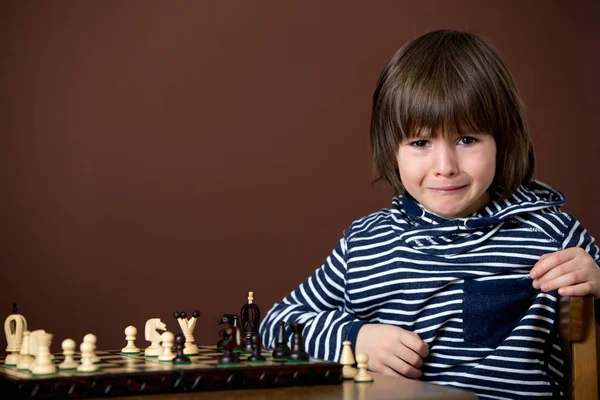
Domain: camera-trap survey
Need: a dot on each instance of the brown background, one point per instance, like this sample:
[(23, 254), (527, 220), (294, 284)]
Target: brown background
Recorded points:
[(159, 156)]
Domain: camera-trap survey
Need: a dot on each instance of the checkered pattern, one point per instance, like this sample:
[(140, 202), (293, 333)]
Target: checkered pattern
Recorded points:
[(113, 362)]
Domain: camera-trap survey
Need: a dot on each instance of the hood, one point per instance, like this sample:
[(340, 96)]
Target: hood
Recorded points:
[(426, 231)]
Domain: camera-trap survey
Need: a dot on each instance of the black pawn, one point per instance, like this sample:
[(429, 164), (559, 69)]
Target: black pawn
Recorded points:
[(281, 350), (256, 349), (247, 342), (298, 353), (180, 358), (229, 356)]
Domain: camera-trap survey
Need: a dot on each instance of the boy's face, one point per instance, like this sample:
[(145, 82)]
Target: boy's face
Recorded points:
[(449, 174)]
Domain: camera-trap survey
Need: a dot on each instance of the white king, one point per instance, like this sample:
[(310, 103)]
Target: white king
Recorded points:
[(14, 326)]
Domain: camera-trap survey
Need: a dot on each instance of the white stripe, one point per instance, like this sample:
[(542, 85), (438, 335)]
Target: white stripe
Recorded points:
[(490, 378), (454, 383), (417, 301), (401, 281), (570, 235), (510, 370)]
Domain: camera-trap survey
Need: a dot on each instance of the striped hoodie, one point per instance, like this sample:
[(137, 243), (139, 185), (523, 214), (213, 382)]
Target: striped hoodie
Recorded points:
[(461, 284)]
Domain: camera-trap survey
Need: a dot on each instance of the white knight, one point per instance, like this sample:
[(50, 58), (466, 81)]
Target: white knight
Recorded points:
[(151, 334)]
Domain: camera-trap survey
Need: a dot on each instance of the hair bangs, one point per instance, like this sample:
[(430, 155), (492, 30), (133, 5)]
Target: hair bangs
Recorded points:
[(443, 102)]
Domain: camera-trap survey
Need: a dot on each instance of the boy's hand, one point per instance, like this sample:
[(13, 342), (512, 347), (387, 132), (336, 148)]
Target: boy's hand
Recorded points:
[(572, 271), (392, 350)]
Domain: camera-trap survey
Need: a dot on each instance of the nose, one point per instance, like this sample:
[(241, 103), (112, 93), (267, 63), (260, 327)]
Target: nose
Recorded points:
[(446, 162)]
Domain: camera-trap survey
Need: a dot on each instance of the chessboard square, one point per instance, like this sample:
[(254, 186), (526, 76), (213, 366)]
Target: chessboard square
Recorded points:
[(201, 358), (129, 362), (152, 361), (211, 353), (209, 362)]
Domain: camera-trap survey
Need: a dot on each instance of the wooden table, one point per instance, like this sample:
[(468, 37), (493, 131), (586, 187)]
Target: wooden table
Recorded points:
[(384, 387)]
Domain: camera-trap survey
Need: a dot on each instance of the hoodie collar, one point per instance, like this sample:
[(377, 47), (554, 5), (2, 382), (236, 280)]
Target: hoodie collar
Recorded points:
[(536, 197)]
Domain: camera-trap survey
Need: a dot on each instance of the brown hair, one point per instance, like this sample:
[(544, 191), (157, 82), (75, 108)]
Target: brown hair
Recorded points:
[(449, 81)]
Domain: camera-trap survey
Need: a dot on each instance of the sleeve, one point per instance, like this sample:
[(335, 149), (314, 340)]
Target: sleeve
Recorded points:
[(319, 303), (578, 236)]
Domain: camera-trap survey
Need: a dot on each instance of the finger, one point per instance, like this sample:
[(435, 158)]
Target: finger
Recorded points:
[(550, 260), (554, 273), (568, 279), (414, 343), (385, 370), (559, 270), (403, 368), (580, 289), (408, 356)]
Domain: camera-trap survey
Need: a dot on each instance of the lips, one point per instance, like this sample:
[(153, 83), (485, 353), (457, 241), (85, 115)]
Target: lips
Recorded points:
[(449, 189)]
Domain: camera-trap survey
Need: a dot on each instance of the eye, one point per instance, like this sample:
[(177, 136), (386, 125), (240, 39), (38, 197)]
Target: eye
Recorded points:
[(467, 140), (419, 143)]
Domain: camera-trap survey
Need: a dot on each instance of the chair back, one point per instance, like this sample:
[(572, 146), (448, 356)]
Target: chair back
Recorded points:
[(578, 331)]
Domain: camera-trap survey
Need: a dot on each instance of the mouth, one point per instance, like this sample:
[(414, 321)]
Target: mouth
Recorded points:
[(449, 189)]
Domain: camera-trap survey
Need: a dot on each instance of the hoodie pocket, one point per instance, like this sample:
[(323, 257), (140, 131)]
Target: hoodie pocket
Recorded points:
[(492, 309)]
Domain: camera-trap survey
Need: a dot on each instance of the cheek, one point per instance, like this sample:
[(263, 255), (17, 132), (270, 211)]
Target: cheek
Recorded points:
[(411, 170), (484, 166)]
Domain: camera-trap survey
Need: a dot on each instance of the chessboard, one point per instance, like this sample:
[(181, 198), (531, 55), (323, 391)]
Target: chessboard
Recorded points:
[(121, 375)]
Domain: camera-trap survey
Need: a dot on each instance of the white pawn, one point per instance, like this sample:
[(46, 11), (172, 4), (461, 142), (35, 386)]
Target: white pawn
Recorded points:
[(86, 362), (25, 360), (91, 339), (68, 347), (167, 342), (43, 362), (130, 333), (347, 360), (361, 362)]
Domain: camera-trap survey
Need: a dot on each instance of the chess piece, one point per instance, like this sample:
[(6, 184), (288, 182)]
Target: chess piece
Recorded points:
[(68, 347), (246, 346), (43, 362), (250, 320), (130, 333), (180, 357), (362, 360), (25, 359), (167, 343), (187, 328), (238, 337), (87, 351), (281, 350), (91, 339), (229, 356), (298, 353), (151, 334), (256, 350), (14, 326), (226, 318), (347, 360)]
